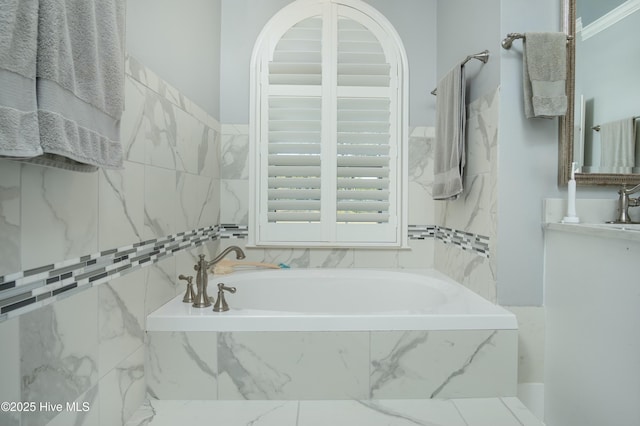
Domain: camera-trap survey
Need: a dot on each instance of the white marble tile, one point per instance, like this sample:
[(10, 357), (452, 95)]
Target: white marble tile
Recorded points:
[(421, 203), (158, 131), (121, 206), (131, 133), (59, 215), (182, 365), (331, 258), (234, 156), (84, 411), (524, 416), (379, 413), (468, 268), (59, 352), (482, 134), (10, 217), (160, 202), (190, 204), (377, 258), (123, 390), (209, 191), (121, 319), (228, 413), (531, 333), (195, 143), (486, 412), (443, 364), (161, 282), (419, 255), (9, 373), (290, 365), (235, 201)]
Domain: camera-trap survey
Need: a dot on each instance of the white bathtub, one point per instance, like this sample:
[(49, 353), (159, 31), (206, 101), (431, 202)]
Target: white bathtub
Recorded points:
[(337, 300)]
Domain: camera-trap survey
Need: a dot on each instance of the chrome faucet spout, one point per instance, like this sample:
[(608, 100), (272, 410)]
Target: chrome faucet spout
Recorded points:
[(202, 277), (624, 202)]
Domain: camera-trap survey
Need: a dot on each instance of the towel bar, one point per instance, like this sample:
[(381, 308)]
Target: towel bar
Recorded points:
[(482, 56), (597, 127), (508, 40)]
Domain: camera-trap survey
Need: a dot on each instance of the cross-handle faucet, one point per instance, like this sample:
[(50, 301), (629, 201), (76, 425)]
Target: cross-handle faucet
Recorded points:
[(624, 202), (202, 278)]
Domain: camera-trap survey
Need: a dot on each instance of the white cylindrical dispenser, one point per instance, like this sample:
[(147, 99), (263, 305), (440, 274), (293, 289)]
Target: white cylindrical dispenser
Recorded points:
[(571, 216)]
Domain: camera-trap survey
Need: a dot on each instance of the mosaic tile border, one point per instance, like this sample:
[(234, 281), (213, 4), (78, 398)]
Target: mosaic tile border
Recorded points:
[(28, 290), (464, 240), (25, 291)]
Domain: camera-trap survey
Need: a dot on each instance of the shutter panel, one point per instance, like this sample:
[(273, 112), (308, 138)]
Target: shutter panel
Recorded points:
[(328, 161), (294, 124)]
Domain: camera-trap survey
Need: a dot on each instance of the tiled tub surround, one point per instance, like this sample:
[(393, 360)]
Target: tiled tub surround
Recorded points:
[(467, 347), (88, 346), (331, 365)]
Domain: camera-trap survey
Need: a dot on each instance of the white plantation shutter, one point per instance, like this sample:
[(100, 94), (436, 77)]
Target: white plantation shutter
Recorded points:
[(328, 133)]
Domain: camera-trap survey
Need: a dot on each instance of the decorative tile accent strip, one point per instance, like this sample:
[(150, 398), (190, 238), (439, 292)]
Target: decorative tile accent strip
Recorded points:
[(233, 231), (464, 240), (26, 291), (421, 232)]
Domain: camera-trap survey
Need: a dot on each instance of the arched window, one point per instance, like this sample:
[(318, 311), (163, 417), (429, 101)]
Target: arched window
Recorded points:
[(328, 128)]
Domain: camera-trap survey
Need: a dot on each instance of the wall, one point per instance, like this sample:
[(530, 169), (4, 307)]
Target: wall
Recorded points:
[(182, 44), (244, 19), (90, 347), (527, 167)]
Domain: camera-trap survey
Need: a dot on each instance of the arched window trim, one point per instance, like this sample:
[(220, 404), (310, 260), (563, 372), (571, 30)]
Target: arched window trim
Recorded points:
[(392, 45)]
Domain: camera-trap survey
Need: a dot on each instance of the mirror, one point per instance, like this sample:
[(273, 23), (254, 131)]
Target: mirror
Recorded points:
[(602, 88)]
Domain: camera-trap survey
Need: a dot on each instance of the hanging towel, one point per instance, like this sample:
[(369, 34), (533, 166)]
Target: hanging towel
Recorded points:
[(19, 134), (450, 135), (617, 146), (79, 83), (544, 74)]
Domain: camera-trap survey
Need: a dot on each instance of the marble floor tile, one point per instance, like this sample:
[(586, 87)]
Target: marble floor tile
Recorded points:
[(228, 413), (379, 413), (486, 412)]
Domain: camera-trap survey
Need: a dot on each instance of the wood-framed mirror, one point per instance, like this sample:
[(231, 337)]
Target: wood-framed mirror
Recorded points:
[(600, 56)]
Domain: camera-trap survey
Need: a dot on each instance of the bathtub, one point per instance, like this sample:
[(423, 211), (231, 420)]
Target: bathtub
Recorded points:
[(334, 334), (336, 300)]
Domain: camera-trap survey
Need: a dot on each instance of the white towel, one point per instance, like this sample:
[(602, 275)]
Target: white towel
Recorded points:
[(617, 146), (544, 74), (79, 82), (450, 135), (19, 134)]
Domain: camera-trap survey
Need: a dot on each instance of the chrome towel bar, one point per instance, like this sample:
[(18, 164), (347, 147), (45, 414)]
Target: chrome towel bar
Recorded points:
[(508, 40), (482, 56)]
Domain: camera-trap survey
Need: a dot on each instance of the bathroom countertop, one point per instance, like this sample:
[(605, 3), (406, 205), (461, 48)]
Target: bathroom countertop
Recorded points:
[(598, 230)]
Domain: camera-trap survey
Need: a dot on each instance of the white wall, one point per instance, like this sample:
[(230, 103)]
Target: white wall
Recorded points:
[(468, 27), (180, 41), (244, 19)]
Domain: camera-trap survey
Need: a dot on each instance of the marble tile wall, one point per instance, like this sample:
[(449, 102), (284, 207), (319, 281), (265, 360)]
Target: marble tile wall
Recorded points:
[(332, 365), (475, 211), (86, 344)]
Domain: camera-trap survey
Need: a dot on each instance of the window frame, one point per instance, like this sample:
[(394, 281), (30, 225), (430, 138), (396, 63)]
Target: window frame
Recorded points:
[(393, 48)]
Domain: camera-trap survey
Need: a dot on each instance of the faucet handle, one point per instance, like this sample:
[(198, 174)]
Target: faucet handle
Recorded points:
[(189, 295), (221, 304)]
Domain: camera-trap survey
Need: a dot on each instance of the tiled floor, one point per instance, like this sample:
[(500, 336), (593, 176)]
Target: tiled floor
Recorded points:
[(431, 412)]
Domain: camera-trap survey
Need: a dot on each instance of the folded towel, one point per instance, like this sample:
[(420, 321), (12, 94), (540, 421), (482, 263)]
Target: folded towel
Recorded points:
[(544, 74), (19, 134), (78, 83), (450, 134), (617, 146)]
